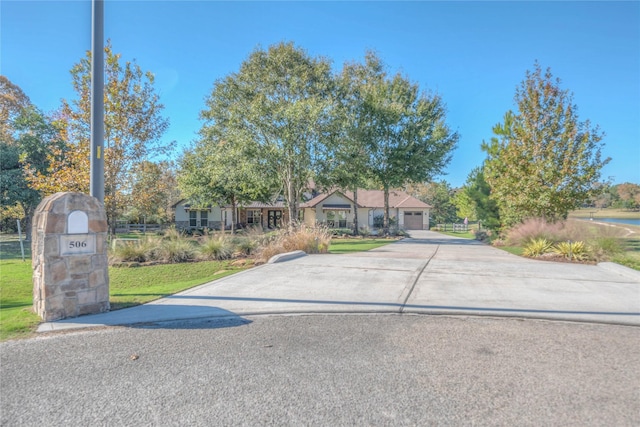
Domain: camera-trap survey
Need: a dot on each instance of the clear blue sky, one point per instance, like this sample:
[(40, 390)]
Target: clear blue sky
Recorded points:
[(473, 54)]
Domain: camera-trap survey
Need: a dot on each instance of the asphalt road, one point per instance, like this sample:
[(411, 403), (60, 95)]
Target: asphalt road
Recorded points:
[(383, 369)]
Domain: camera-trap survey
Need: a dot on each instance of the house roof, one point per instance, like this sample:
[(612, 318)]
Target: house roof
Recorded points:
[(372, 199), (322, 197)]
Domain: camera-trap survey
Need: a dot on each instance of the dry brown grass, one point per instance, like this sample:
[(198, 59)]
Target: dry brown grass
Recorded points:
[(602, 242), (560, 231), (312, 240)]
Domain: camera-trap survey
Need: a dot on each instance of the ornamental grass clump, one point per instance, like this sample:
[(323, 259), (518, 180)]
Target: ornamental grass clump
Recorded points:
[(215, 248), (571, 250), (311, 240), (244, 245), (140, 250), (537, 247), (533, 229), (176, 250)]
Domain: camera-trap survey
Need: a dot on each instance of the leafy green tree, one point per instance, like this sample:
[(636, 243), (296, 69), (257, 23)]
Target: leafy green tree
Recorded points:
[(281, 100), (478, 193), (404, 130), (440, 196), (346, 160), (629, 195), (465, 205), (542, 161), (13, 102), (133, 130), (26, 136), (224, 173), (153, 191)]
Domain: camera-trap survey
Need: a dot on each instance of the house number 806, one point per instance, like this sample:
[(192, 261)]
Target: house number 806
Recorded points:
[(77, 244)]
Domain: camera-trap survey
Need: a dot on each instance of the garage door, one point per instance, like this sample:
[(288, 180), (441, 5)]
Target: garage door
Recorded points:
[(413, 220)]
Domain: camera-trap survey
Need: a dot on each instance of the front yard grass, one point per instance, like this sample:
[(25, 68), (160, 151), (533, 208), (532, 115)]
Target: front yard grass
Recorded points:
[(127, 286), (344, 246), (463, 234)]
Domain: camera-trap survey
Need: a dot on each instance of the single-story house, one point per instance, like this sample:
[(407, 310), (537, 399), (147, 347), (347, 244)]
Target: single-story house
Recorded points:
[(334, 208), (266, 215)]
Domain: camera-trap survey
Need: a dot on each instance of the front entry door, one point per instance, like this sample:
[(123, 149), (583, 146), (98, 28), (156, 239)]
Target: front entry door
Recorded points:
[(274, 219)]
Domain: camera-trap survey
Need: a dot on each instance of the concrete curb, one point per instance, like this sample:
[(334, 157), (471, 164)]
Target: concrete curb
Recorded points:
[(286, 257), (621, 269)]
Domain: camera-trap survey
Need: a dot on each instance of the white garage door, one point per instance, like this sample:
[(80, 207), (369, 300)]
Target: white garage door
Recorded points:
[(413, 220)]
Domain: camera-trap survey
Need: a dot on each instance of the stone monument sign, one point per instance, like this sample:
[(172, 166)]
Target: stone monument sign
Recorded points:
[(69, 250)]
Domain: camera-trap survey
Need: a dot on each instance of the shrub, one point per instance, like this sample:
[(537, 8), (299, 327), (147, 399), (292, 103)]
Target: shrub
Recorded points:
[(364, 231), (537, 247), (178, 250), (215, 248), (172, 233), (140, 250), (244, 245), (482, 235), (341, 231), (604, 248), (571, 250)]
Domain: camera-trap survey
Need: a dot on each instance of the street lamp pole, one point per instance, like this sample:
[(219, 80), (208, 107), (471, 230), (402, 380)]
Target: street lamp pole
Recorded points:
[(97, 100)]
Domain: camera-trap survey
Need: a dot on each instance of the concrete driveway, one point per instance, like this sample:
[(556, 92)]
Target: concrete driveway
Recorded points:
[(429, 273)]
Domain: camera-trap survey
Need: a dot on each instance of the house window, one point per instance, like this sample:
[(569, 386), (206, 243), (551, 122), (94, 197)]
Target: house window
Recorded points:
[(337, 219), (253, 217), (204, 219), (193, 218)]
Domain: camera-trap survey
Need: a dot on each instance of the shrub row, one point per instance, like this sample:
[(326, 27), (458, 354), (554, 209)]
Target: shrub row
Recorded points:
[(576, 239), (174, 247)]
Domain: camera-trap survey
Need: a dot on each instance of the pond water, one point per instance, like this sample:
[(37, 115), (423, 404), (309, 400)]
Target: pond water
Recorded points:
[(630, 221)]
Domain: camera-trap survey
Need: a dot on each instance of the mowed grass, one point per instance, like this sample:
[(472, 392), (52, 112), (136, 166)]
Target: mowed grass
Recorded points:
[(605, 213), (127, 286), (139, 285), (344, 246)]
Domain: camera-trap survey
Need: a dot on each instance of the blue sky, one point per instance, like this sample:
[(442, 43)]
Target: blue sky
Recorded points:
[(473, 54)]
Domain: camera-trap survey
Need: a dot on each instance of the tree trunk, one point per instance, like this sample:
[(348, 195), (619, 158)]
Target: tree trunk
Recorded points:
[(234, 209), (28, 216), (385, 224), (292, 200), (355, 212)]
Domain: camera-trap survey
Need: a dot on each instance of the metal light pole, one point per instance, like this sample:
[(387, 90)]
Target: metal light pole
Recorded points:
[(97, 100)]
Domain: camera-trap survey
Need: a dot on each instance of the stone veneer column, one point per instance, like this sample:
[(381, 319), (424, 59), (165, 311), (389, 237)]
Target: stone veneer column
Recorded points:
[(69, 257)]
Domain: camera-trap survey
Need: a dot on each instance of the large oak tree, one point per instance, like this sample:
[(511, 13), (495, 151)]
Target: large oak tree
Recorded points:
[(280, 101)]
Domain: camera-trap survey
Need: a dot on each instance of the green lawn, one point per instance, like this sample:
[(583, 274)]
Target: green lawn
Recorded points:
[(138, 285), (344, 246), (127, 286), (463, 234), (604, 213)]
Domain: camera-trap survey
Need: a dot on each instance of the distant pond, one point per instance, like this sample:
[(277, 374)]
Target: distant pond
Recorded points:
[(630, 221)]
